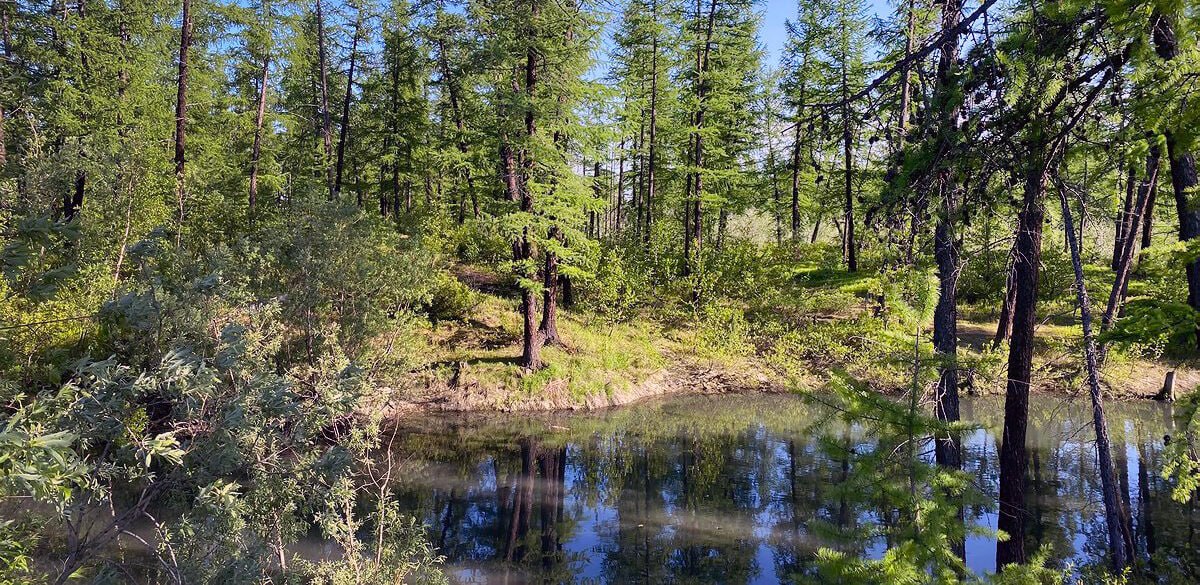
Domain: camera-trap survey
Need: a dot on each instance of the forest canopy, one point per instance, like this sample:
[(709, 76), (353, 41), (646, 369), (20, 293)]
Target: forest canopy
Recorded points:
[(239, 236)]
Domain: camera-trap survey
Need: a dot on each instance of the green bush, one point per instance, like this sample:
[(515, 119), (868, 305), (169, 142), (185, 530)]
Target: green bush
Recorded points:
[(450, 299)]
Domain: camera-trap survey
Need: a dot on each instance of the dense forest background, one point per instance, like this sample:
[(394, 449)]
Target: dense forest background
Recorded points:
[(237, 234)]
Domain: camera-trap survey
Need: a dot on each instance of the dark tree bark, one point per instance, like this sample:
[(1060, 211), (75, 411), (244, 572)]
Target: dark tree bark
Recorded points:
[(1004, 325), (1116, 297), (1114, 515), (181, 105), (1148, 218), (548, 329), (796, 143), (1013, 457), (849, 252), (531, 338), (344, 125), (620, 211), (1123, 217), (945, 315), (1183, 165)]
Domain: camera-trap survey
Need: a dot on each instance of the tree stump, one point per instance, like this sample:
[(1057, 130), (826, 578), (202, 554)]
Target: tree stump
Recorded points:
[(1167, 394)]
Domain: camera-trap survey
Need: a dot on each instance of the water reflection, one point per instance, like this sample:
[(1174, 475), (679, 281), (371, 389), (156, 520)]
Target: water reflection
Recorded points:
[(738, 490)]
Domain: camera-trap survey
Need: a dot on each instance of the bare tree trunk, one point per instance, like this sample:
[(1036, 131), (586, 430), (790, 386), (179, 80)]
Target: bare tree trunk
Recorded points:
[(697, 217), (796, 177), (1004, 325), (653, 134), (323, 97), (256, 150), (1113, 513), (453, 90), (1123, 217), (620, 211), (181, 105), (1116, 297), (849, 252), (1013, 457), (344, 126)]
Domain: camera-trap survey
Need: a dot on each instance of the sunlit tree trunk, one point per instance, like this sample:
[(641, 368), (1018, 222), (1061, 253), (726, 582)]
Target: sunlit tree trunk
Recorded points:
[(1113, 513), (256, 150)]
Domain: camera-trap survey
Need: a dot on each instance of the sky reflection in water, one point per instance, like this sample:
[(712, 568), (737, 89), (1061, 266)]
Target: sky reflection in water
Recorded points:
[(739, 490)]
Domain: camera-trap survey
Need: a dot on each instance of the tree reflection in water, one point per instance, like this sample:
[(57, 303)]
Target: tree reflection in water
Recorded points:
[(748, 489)]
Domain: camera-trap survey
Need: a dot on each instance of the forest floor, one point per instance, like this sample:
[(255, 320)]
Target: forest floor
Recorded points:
[(471, 364)]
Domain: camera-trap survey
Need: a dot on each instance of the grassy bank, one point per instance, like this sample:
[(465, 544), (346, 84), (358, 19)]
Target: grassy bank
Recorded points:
[(833, 323)]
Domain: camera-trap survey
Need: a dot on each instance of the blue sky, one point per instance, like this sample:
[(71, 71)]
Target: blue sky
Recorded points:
[(775, 12)]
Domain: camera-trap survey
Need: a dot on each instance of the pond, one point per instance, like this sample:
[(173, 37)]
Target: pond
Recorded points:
[(740, 489)]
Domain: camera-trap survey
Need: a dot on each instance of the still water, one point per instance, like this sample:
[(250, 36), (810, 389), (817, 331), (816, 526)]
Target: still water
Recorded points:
[(744, 490)]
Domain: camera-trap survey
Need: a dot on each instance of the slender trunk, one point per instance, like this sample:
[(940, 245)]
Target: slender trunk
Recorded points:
[(1148, 218), (453, 90), (620, 186), (1123, 217), (697, 219), (1116, 297), (1013, 457), (849, 252), (796, 143), (181, 105), (651, 154), (769, 118), (1113, 514), (344, 126), (323, 103), (256, 150), (1004, 325)]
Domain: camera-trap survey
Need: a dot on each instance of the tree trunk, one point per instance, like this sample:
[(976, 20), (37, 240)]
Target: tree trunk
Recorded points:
[(344, 126), (945, 315), (1113, 513), (1183, 167), (1116, 297), (848, 245), (796, 178), (548, 329), (453, 90), (1123, 217), (256, 150), (620, 211), (1013, 459), (1004, 325), (181, 105), (697, 219), (653, 134), (323, 100), (531, 338)]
